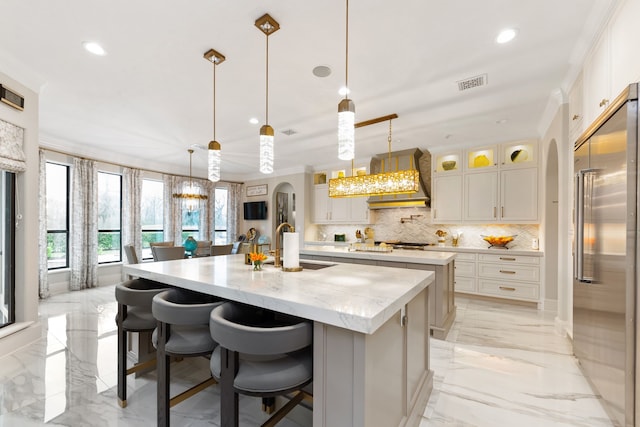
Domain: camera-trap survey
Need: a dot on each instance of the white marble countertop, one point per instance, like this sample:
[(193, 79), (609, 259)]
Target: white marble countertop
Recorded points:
[(530, 252), (397, 255), (360, 298)]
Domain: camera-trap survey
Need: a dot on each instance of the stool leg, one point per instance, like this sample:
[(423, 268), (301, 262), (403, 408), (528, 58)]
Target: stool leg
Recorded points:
[(228, 396), (163, 376), (122, 358), (268, 405)]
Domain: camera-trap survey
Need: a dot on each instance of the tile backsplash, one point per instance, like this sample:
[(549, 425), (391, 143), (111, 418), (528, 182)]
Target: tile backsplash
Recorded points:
[(414, 225)]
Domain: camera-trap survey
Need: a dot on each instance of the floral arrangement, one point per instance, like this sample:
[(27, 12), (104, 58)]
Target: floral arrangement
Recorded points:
[(257, 258)]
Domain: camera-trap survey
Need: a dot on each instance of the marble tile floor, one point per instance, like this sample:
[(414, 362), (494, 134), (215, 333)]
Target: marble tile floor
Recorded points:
[(501, 365)]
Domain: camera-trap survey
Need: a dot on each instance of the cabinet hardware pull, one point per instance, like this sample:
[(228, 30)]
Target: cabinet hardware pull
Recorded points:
[(502, 211), (575, 117), (507, 288), (504, 258), (507, 272), (494, 211)]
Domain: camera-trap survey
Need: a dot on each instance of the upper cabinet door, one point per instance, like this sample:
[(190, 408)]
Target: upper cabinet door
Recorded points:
[(624, 34), (519, 154), (481, 159), (519, 195), (481, 197), (446, 205), (596, 79)]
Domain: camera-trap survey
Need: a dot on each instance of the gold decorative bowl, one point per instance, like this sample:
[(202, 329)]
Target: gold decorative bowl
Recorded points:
[(498, 241), (449, 165)]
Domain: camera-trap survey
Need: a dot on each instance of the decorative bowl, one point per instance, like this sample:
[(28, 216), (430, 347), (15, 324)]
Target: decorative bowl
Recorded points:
[(449, 165), (498, 241)]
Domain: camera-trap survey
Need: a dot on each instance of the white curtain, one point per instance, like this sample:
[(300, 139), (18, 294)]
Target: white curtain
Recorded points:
[(234, 210), (43, 265), (83, 261), (131, 211)]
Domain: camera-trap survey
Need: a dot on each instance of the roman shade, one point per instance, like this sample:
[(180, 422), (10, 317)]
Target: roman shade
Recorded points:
[(11, 155)]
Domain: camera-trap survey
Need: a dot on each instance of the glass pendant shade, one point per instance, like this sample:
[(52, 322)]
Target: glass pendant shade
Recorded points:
[(266, 149), (346, 129), (213, 161)]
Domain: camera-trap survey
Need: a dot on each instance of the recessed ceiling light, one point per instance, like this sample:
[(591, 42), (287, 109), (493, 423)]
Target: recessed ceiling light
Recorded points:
[(254, 121), (506, 35), (344, 91), (501, 121), (321, 71), (94, 48)]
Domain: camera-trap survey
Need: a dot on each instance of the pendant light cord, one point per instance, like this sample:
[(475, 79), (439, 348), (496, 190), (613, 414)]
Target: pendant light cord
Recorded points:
[(267, 81), (346, 61), (214, 100), (389, 142)]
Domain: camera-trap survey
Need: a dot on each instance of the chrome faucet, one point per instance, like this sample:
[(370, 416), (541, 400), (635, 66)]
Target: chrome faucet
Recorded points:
[(277, 253)]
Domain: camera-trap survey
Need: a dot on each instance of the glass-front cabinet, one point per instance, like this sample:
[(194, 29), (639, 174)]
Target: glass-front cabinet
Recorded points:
[(481, 159), (519, 154), (448, 162)]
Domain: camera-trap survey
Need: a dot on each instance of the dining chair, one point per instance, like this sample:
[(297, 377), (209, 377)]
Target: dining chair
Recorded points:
[(260, 353), (204, 248), (169, 243), (221, 249), (130, 253), (167, 253)]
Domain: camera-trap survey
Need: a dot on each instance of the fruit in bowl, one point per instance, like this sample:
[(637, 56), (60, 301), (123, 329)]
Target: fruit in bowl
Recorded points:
[(498, 241)]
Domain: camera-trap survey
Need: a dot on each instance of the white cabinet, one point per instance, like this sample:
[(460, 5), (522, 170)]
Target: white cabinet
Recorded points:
[(518, 195), (446, 205), (576, 111), (508, 276), (624, 32), (596, 79), (327, 210), (514, 198), (499, 183)]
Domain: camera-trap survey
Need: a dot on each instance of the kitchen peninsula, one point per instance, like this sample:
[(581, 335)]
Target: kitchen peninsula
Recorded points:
[(442, 310), (371, 340)]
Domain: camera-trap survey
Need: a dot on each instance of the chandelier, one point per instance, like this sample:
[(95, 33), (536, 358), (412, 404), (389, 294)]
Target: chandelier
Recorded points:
[(191, 194), (214, 159), (268, 26), (379, 184), (346, 110)]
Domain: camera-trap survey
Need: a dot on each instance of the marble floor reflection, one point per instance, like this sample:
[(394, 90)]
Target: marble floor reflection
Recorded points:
[(501, 365)]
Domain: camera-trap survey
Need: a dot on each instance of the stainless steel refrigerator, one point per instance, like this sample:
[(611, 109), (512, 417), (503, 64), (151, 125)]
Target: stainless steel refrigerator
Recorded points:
[(605, 285)]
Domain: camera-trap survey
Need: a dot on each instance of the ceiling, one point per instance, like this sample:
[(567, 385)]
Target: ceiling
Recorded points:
[(151, 97)]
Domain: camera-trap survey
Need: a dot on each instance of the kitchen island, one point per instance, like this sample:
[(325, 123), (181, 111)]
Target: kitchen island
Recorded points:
[(442, 312), (371, 342)]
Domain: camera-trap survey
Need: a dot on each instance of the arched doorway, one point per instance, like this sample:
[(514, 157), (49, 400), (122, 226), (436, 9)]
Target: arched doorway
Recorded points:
[(284, 205)]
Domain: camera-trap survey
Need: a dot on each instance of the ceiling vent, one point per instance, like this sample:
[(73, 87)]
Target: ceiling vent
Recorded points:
[(289, 132), (472, 82)]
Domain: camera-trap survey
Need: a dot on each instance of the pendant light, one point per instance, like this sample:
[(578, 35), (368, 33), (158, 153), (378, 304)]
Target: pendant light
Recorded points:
[(268, 26), (346, 109), (191, 194), (380, 184), (214, 155)]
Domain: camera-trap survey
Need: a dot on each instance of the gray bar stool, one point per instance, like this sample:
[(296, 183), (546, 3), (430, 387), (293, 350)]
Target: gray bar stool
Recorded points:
[(182, 331), (260, 353), (134, 315)]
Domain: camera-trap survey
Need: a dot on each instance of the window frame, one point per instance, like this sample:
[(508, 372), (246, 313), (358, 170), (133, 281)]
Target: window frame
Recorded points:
[(217, 230), (9, 267), (155, 230), (119, 231)]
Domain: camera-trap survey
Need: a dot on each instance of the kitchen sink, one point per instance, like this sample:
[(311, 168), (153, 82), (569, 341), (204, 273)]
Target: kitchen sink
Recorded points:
[(307, 265)]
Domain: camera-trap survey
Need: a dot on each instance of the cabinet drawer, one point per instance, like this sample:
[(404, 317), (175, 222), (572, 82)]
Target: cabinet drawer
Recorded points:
[(465, 284), (530, 273), (465, 268), (523, 291), (506, 258), (465, 256)]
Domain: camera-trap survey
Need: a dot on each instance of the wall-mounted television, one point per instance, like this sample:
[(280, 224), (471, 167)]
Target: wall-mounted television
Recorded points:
[(255, 210)]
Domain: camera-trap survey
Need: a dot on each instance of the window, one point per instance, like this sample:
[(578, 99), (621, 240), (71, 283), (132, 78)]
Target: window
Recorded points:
[(152, 219), (109, 217), (220, 217), (8, 249), (57, 216)]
